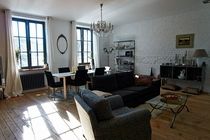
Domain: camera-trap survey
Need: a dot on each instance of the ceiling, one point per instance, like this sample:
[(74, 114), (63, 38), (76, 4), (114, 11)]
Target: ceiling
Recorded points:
[(116, 11)]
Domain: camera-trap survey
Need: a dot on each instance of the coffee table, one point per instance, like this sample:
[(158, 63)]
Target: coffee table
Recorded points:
[(175, 106)]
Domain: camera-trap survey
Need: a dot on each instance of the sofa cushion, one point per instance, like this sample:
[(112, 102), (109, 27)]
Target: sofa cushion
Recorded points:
[(124, 79), (139, 89), (171, 87), (106, 83), (100, 105)]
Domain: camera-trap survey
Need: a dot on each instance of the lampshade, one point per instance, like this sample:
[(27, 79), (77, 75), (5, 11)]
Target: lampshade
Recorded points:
[(200, 53)]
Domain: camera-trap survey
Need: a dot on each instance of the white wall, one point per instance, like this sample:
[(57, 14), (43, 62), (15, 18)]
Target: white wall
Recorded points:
[(156, 39), (61, 60)]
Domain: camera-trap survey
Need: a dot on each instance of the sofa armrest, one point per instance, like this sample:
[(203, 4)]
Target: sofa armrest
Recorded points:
[(126, 126), (115, 101)]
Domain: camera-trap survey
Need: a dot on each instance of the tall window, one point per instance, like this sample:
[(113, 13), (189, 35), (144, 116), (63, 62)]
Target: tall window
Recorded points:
[(30, 42), (84, 45)]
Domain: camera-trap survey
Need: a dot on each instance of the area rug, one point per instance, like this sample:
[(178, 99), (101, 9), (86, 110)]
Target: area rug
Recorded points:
[(155, 113)]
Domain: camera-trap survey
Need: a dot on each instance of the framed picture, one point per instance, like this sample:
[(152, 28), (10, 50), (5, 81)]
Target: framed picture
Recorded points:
[(184, 41)]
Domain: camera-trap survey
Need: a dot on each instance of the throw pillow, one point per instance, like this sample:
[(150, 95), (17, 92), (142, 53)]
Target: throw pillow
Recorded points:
[(100, 105), (171, 87), (143, 80), (191, 90)]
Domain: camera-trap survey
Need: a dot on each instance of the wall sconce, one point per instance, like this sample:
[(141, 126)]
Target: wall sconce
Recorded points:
[(198, 54)]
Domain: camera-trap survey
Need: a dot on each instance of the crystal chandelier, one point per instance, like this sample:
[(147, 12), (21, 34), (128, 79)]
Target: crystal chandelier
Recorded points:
[(101, 26)]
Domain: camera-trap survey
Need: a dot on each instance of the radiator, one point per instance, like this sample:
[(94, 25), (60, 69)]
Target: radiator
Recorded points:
[(32, 81)]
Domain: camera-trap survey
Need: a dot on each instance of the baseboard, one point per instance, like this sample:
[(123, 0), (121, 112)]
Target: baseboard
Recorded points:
[(34, 90)]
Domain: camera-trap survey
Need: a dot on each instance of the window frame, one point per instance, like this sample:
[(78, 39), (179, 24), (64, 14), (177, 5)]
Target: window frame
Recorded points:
[(28, 41), (82, 40)]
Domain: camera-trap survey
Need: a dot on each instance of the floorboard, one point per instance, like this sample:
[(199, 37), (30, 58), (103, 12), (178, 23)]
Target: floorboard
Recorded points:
[(34, 116)]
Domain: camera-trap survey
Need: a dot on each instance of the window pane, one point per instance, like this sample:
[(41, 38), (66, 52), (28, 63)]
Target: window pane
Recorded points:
[(32, 29), (89, 57), (34, 59), (41, 59), (89, 46), (78, 34), (22, 29), (85, 57), (89, 35), (16, 43), (14, 28), (33, 45), (24, 60), (79, 46), (85, 46), (40, 45), (79, 59), (85, 35), (39, 30), (23, 44)]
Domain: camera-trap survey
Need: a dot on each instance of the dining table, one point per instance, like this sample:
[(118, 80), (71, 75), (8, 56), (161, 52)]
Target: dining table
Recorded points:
[(67, 74)]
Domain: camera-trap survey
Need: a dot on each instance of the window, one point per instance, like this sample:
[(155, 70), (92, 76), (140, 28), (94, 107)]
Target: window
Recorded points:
[(30, 42), (84, 45)]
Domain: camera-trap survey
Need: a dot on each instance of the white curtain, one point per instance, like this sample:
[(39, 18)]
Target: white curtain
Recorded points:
[(13, 82), (50, 49), (74, 43), (96, 50)]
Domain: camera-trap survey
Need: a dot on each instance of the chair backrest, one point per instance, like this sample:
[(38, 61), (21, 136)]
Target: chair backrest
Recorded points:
[(50, 79), (81, 67), (81, 77), (63, 69), (100, 71)]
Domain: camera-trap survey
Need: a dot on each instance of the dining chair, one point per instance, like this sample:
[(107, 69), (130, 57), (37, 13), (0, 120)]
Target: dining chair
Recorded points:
[(81, 67), (63, 70), (81, 78), (99, 71), (52, 84)]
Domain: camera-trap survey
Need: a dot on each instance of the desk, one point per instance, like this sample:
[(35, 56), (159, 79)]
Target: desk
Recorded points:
[(67, 74)]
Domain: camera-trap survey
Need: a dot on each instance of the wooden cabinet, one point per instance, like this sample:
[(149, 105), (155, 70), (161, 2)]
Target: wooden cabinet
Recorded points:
[(124, 55), (191, 73)]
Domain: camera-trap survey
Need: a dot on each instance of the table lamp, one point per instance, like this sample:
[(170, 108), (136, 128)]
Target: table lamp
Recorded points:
[(198, 54)]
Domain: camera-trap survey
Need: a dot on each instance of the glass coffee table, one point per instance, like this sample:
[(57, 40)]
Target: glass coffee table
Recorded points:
[(172, 102)]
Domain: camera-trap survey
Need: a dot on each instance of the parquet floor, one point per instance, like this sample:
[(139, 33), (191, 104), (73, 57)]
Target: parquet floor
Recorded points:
[(36, 117)]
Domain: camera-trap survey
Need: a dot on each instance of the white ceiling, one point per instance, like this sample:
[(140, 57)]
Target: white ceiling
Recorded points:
[(115, 11)]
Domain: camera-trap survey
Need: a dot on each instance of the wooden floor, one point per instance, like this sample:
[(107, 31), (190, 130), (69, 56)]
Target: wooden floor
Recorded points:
[(35, 116)]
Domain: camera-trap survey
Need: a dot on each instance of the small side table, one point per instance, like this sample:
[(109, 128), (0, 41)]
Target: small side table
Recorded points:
[(2, 87)]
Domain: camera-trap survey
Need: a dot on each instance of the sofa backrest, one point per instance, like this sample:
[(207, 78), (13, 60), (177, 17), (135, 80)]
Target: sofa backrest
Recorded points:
[(106, 83), (124, 79)]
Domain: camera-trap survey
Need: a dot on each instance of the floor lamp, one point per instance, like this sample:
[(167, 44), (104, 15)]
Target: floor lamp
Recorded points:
[(108, 51)]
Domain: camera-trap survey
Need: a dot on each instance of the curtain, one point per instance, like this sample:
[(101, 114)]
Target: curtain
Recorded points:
[(50, 49), (13, 81), (74, 44), (96, 49)]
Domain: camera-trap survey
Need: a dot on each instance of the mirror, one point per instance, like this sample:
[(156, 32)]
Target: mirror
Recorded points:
[(62, 44)]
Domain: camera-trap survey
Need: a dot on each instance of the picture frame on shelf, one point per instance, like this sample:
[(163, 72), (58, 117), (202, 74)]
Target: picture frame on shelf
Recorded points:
[(185, 41)]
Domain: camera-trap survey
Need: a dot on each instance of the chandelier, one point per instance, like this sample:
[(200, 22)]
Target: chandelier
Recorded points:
[(101, 26)]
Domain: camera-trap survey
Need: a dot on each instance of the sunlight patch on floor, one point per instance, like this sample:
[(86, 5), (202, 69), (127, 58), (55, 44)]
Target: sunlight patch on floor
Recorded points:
[(39, 128), (73, 123), (32, 112), (49, 107), (58, 123), (68, 135)]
